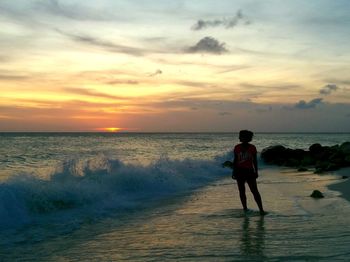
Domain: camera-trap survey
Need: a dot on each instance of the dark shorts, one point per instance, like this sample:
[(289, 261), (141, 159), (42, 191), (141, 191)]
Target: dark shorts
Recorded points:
[(245, 174)]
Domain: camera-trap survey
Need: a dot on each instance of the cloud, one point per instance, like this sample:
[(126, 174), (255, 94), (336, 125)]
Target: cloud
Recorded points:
[(110, 46), (122, 82), (203, 104), (225, 22), (195, 84), (73, 103), (92, 93), (4, 58), (228, 69), (345, 82), (302, 104), (282, 86), (157, 72), (169, 115), (258, 90), (224, 113), (208, 45), (74, 11), (328, 89), (264, 110), (11, 77)]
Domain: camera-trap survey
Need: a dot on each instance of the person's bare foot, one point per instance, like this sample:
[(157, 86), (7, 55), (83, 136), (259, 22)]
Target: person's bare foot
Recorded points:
[(263, 213)]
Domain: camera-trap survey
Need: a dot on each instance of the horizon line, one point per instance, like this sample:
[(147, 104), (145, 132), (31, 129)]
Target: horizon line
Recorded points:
[(178, 132)]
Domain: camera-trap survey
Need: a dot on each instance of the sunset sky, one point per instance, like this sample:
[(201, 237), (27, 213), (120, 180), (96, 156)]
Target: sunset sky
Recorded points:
[(155, 66)]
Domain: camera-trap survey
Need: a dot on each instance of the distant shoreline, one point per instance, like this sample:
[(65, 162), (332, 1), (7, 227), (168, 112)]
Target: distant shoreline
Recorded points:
[(151, 132)]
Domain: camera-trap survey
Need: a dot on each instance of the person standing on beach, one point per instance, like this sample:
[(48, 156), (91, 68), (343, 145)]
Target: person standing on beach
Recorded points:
[(245, 169)]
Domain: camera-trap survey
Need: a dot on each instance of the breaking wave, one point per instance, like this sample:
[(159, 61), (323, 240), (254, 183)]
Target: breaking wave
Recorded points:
[(99, 186)]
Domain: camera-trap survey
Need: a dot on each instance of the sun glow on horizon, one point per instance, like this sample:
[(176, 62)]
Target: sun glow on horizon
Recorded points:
[(110, 129)]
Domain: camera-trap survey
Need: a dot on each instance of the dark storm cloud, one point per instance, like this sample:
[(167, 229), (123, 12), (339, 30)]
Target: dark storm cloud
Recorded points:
[(208, 45), (109, 46), (328, 89), (302, 104), (224, 22)]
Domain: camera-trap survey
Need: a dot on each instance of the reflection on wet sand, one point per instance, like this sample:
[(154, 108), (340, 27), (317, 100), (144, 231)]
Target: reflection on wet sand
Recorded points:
[(252, 241)]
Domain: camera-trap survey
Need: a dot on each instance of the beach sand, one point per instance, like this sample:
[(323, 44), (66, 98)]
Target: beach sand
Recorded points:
[(209, 225)]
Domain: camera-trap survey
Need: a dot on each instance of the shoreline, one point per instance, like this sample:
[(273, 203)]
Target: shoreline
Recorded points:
[(342, 186)]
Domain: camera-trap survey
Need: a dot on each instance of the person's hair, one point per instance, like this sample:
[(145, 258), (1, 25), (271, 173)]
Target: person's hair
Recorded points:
[(246, 135)]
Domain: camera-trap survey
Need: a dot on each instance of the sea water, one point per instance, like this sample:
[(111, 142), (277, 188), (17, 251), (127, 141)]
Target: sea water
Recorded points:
[(111, 194)]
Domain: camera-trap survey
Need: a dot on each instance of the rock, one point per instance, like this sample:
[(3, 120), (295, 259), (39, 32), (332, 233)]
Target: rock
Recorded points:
[(228, 164), (292, 162), (344, 177), (322, 158), (274, 154), (345, 148), (317, 194), (299, 154), (302, 169), (308, 160), (315, 148), (347, 160)]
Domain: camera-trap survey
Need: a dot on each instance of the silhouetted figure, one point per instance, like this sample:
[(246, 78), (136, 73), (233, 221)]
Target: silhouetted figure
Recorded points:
[(245, 169)]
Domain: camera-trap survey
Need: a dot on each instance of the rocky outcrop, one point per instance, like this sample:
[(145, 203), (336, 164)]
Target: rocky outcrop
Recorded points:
[(321, 158), (317, 194)]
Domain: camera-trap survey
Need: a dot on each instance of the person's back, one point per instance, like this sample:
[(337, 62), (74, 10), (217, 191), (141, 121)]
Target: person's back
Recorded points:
[(245, 155)]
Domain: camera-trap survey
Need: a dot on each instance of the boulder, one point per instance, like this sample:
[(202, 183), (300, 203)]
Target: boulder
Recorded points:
[(274, 154), (317, 194), (292, 162), (347, 160), (302, 169), (228, 164), (308, 160), (345, 148), (315, 148), (322, 158)]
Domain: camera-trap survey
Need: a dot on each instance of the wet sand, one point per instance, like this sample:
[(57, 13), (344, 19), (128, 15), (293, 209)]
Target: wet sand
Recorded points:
[(343, 186), (209, 225)]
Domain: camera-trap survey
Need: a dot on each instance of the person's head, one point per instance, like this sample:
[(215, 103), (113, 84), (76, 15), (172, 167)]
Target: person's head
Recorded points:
[(245, 136)]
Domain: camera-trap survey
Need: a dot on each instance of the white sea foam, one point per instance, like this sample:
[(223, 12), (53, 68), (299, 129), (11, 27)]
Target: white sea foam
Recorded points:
[(100, 186)]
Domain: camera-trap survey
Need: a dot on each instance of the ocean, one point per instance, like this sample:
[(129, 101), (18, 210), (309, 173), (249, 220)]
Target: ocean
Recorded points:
[(160, 196)]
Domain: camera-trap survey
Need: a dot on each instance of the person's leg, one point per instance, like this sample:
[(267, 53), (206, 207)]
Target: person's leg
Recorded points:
[(242, 196), (254, 189)]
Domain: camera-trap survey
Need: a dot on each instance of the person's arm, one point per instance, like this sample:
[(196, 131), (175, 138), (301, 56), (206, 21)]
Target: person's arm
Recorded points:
[(255, 163), (235, 159)]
